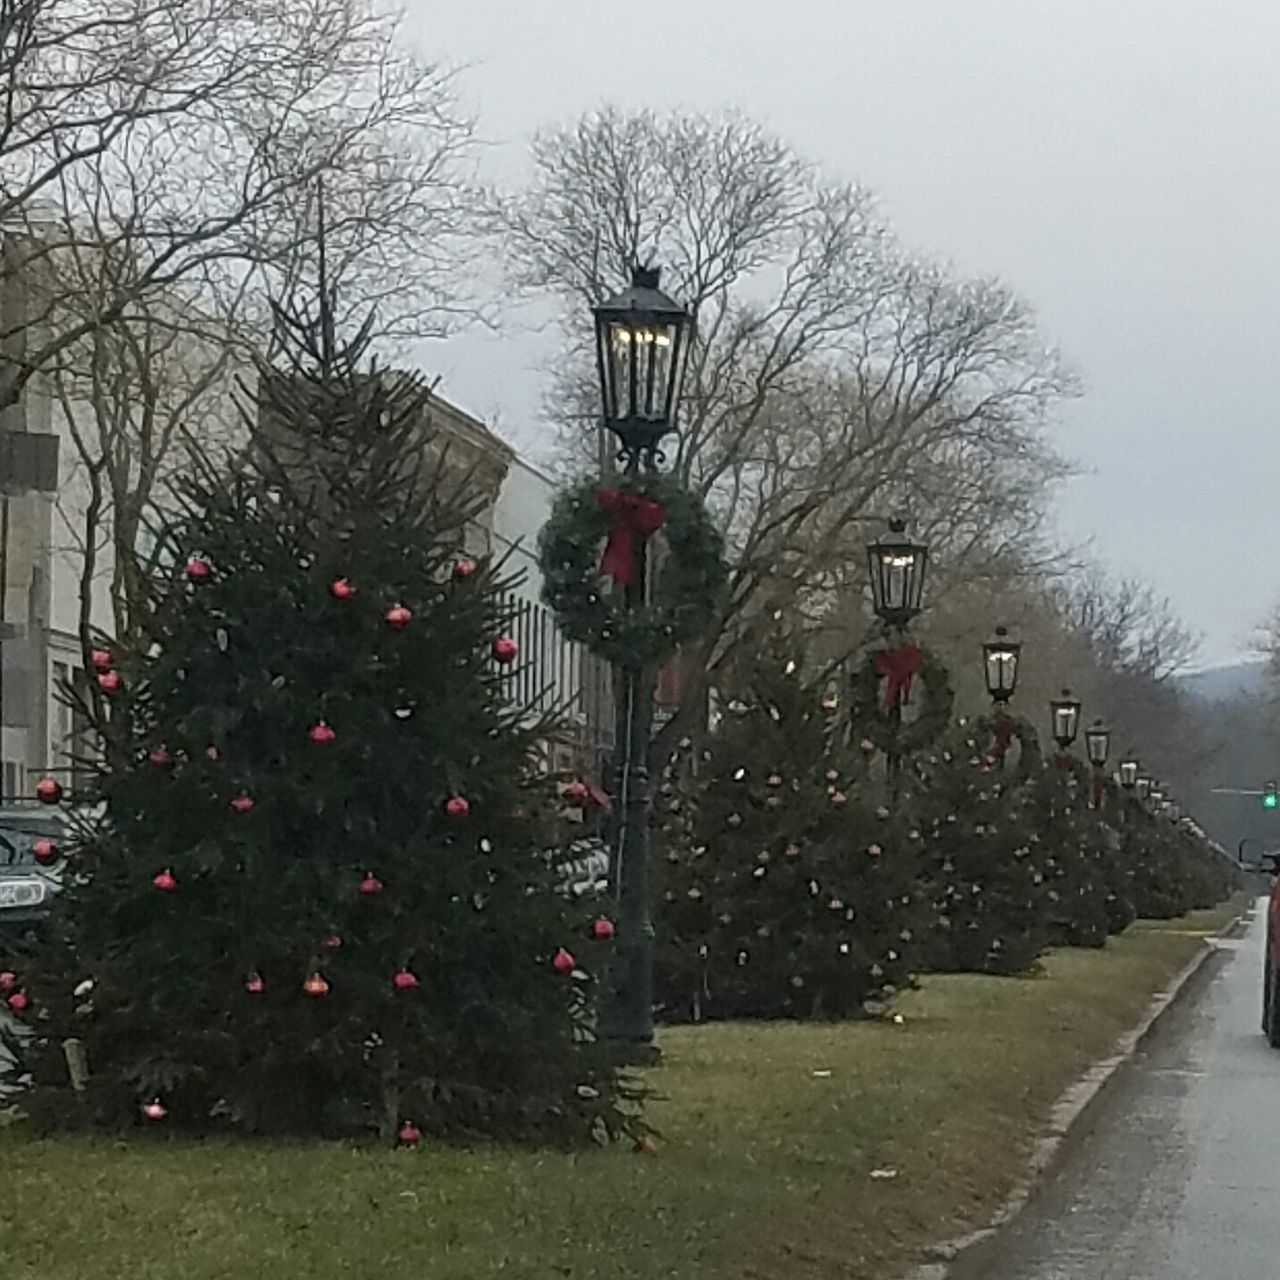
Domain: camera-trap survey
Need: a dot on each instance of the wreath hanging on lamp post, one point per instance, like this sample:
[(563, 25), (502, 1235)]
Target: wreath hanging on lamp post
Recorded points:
[(588, 554)]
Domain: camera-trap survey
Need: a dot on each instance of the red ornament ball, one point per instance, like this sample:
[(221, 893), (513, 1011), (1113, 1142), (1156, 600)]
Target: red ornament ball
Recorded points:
[(198, 569), (321, 734), (405, 980), (102, 659), (164, 881), (332, 942), (563, 961), (577, 794), (8, 980), (398, 616), (109, 681), (316, 985), (212, 752), (154, 1110), (457, 806), (48, 791), (18, 1002), (408, 1134), (341, 589), (505, 650), (254, 984), (370, 886), (158, 756), (45, 852), (463, 568), (243, 803), (602, 929)]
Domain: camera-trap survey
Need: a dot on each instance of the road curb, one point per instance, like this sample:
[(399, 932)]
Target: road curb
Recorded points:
[(1069, 1110)]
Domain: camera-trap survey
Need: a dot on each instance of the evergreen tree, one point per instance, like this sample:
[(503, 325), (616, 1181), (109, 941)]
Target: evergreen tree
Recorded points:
[(325, 892), (788, 891), (986, 865), (1080, 898)]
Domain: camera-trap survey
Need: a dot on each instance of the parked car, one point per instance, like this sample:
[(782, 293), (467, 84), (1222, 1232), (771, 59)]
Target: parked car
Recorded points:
[(26, 888)]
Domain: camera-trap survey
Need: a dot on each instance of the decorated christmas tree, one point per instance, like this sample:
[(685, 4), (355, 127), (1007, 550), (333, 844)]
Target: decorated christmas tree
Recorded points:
[(1083, 896), (324, 888), (986, 865), (788, 885)]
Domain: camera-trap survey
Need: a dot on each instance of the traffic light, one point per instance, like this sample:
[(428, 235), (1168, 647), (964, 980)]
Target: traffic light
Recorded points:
[(1270, 799)]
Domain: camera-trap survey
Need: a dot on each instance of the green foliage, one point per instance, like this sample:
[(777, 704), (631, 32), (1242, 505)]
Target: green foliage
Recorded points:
[(788, 886), (986, 866), (229, 676), (870, 719), (687, 583)]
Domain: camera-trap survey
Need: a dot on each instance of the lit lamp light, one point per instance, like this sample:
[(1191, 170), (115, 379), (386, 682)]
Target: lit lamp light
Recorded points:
[(1142, 786), (1064, 716), (1000, 658), (1097, 741), (1128, 772), (642, 344), (897, 566)]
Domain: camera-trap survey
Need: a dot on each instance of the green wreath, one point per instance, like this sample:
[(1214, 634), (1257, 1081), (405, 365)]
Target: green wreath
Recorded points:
[(872, 721), (1002, 730), (686, 583)]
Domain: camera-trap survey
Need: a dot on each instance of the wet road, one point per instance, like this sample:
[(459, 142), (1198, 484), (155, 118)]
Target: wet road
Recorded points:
[(1178, 1177)]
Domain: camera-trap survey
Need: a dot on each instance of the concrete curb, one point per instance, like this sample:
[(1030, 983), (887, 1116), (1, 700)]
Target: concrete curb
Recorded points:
[(1068, 1111)]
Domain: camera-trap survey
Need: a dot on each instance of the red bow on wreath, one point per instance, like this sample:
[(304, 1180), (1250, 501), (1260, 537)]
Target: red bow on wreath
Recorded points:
[(1002, 738), (898, 667), (633, 520)]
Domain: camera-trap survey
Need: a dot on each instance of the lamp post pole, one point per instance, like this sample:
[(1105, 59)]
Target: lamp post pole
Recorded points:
[(642, 343)]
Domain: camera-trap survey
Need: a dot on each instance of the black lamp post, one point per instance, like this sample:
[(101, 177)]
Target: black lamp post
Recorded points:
[(1097, 745), (897, 567), (1142, 786), (642, 345), (1064, 716), (1000, 658)]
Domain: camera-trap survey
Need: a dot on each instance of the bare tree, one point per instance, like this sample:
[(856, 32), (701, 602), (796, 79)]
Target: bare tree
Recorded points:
[(184, 139), (834, 381)]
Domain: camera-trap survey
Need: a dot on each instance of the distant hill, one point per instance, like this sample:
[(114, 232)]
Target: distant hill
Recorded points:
[(1223, 684)]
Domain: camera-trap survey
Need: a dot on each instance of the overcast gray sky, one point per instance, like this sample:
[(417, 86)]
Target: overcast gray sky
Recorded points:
[(1115, 161)]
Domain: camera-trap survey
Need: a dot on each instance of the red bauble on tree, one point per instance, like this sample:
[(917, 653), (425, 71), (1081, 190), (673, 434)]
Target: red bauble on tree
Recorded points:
[(45, 852), (457, 806), (316, 985), (254, 984), (405, 980), (158, 756), (332, 942), (563, 961), (19, 1002), (341, 589), (602, 929), (8, 980), (102, 659), (243, 803), (408, 1135), (398, 616), (109, 681), (463, 568), (198, 569), (370, 886), (321, 734), (577, 794), (164, 881), (155, 1110), (505, 650), (48, 791)]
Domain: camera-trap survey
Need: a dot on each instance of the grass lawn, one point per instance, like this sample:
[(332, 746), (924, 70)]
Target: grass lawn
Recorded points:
[(770, 1135)]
